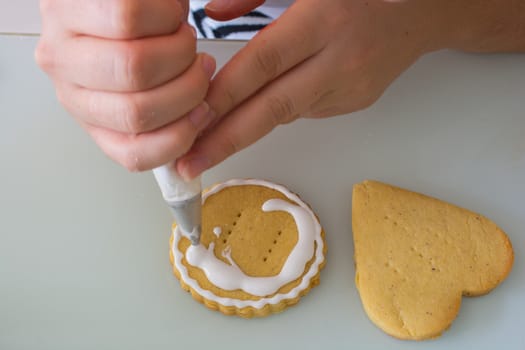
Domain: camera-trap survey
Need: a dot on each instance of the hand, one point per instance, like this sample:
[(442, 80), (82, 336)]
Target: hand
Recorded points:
[(319, 59), (128, 71)]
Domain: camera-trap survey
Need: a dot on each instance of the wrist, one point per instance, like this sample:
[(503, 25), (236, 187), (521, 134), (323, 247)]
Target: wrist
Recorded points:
[(428, 25), (476, 26), (443, 24)]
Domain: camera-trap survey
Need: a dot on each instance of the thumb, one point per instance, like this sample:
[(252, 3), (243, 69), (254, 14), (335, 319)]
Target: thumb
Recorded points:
[(224, 10)]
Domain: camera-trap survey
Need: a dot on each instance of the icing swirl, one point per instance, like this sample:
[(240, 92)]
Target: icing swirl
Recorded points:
[(231, 277)]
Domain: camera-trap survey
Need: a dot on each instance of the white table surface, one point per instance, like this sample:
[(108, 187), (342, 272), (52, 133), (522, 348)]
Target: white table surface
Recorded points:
[(84, 244)]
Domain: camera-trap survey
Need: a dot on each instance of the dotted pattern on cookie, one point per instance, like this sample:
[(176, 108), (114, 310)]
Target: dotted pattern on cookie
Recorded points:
[(245, 230), (416, 256)]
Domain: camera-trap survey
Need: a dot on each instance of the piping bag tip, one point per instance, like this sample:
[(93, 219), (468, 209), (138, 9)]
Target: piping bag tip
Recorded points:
[(195, 237), (187, 214), (183, 198)]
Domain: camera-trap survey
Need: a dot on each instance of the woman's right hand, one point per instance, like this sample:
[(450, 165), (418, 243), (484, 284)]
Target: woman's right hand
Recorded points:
[(128, 71)]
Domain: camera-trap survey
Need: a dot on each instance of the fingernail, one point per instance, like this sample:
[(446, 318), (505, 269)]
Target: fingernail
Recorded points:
[(218, 5), (210, 116), (208, 64), (193, 167), (198, 115)]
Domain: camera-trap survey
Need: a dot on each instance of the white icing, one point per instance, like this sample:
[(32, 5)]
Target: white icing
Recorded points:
[(227, 253), (230, 277), (217, 231)]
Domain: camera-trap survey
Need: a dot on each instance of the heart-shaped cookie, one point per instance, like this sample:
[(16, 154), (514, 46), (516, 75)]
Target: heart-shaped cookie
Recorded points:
[(416, 257), (262, 248)]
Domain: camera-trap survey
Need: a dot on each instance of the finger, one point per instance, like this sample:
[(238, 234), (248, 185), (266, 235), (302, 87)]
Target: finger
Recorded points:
[(368, 84), (223, 10), (120, 65), (114, 19), (149, 150), (292, 39), (341, 101), (281, 102), (140, 111)]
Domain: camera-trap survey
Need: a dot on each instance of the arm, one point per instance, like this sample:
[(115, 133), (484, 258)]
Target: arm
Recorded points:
[(487, 26), (325, 58)]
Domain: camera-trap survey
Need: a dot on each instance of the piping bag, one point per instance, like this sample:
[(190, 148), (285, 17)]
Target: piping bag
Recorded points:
[(183, 198)]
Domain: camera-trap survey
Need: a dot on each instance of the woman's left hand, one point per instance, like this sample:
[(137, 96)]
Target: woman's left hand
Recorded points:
[(319, 59)]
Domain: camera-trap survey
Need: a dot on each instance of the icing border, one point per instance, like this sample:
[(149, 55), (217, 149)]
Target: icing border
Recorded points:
[(277, 298)]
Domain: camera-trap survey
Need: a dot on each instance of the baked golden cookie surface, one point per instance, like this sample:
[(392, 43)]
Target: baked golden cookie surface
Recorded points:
[(261, 249), (416, 256)]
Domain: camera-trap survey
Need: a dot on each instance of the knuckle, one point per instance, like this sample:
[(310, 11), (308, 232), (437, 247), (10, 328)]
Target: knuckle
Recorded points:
[(325, 112), (268, 60), (46, 6), (44, 56), (366, 93), (230, 99), (130, 160), (368, 101), (122, 149), (230, 145), (63, 97), (181, 144), (132, 119), (125, 15), (129, 67), (281, 109)]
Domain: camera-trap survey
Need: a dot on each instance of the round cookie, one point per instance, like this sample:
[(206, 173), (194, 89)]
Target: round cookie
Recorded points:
[(262, 248)]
